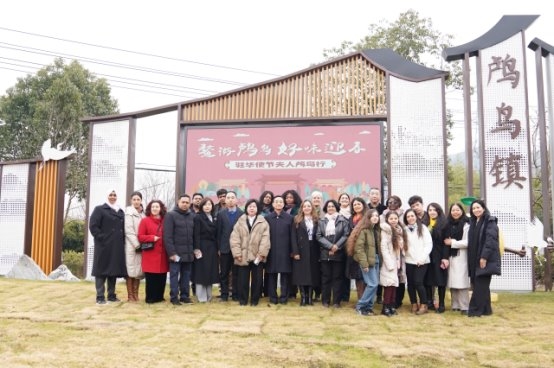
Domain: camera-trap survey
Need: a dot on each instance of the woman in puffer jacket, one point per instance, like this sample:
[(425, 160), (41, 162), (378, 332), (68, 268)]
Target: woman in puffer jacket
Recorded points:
[(250, 246)]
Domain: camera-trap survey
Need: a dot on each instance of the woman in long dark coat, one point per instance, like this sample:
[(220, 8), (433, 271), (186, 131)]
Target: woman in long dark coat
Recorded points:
[(107, 226), (206, 271), (483, 257), (437, 272), (306, 273)]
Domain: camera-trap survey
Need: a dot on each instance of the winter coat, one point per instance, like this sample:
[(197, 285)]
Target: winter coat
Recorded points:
[(418, 249), (133, 259), (108, 229), (342, 230), (278, 259), (484, 245), (179, 233), (225, 227), (206, 268), (306, 270), (436, 276), (352, 270), (250, 244), (153, 260), (458, 276), (365, 249), (390, 258)]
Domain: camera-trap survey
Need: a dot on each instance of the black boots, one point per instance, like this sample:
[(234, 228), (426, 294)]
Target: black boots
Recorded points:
[(303, 296), (388, 310)]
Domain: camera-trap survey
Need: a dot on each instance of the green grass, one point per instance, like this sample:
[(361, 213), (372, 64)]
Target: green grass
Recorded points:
[(57, 324)]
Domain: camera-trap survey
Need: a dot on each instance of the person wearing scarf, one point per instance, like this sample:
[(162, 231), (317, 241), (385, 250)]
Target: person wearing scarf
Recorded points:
[(332, 233), (455, 238), (107, 226)]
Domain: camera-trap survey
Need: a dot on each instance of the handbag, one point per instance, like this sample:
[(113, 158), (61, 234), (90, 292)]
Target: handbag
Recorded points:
[(149, 245), (146, 246)]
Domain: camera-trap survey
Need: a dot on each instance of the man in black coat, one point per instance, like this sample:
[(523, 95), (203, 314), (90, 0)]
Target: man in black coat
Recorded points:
[(278, 259), (226, 219), (178, 240)]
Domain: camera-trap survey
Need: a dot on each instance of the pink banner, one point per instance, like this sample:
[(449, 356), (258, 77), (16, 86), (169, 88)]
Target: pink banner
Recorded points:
[(249, 160)]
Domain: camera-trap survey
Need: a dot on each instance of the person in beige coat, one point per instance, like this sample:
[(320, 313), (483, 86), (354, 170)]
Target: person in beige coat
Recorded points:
[(250, 246), (133, 257)]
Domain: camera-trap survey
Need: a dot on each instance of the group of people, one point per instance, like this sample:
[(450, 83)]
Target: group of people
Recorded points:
[(306, 246)]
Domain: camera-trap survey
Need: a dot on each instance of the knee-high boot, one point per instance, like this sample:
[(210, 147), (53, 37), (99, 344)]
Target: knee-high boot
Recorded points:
[(309, 293), (129, 284), (442, 294), (136, 284)]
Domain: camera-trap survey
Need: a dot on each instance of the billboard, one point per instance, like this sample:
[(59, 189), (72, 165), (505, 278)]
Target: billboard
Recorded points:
[(332, 158)]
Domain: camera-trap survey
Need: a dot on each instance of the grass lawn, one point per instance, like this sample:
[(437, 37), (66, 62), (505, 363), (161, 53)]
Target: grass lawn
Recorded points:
[(58, 324)]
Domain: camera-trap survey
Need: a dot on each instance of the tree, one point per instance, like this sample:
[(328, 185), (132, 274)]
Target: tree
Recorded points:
[(50, 105), (410, 36)]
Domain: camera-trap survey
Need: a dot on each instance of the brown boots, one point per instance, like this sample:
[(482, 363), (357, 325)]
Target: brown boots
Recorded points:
[(422, 309), (132, 289), (415, 308)]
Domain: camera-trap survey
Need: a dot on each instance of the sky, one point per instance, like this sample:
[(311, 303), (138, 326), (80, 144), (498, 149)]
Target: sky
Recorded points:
[(192, 49)]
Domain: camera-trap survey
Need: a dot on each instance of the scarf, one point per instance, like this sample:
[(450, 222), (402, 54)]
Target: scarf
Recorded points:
[(330, 228), (356, 218), (114, 206), (310, 227), (345, 211), (250, 222), (454, 230)]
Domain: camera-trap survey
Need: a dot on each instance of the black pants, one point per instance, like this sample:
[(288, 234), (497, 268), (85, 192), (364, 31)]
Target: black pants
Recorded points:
[(400, 291), (249, 280), (416, 276), (225, 265), (480, 303), (271, 279), (155, 287), (100, 282), (332, 275)]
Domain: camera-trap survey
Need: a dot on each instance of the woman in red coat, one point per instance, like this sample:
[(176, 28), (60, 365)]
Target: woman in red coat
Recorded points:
[(154, 261)]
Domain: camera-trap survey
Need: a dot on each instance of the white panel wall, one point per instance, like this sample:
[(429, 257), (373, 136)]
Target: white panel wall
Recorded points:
[(108, 170), (417, 138), (13, 206), (505, 141)]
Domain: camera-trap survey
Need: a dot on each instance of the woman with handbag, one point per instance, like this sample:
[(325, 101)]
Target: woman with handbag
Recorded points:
[(155, 264), (483, 257), (133, 255)]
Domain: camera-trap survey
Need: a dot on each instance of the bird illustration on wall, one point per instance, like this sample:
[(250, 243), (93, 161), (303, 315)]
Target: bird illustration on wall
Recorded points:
[(50, 153)]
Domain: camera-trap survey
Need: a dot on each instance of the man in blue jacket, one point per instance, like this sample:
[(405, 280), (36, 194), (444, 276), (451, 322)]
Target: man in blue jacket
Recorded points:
[(178, 241)]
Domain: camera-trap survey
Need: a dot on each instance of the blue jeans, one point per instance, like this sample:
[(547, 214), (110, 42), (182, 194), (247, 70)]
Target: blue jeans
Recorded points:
[(371, 280), (179, 280)]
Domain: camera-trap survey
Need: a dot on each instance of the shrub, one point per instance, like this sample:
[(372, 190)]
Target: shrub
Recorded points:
[(74, 236), (75, 261)]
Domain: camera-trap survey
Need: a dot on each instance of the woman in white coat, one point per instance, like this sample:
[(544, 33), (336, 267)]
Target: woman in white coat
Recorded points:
[(393, 238), (133, 257), (418, 248), (455, 237)]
